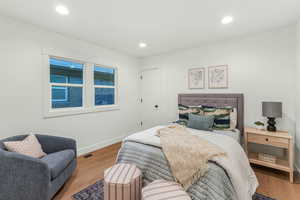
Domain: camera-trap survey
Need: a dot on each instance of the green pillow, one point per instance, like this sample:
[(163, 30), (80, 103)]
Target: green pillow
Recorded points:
[(201, 122)]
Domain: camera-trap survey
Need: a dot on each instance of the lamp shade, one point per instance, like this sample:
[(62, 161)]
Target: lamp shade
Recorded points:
[(272, 109)]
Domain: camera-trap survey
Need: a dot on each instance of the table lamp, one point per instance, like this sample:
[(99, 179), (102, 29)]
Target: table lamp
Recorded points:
[(272, 110)]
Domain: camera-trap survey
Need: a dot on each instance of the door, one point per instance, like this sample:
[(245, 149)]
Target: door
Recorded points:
[(150, 97)]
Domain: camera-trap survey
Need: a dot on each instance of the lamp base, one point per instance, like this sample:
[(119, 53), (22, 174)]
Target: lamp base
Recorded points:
[(271, 124)]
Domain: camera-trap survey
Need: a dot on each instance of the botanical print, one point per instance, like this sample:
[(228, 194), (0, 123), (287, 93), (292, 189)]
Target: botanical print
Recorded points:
[(218, 76), (196, 78)]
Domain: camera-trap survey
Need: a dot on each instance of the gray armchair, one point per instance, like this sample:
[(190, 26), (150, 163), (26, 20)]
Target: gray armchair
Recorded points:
[(26, 178)]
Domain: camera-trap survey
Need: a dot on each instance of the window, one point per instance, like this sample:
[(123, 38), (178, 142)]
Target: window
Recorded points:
[(75, 87), (104, 85), (66, 80)]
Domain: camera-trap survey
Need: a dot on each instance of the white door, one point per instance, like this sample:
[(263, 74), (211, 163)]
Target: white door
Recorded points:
[(150, 97)]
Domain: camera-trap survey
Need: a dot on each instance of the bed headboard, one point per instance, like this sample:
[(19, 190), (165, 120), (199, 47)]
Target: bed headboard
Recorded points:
[(234, 100)]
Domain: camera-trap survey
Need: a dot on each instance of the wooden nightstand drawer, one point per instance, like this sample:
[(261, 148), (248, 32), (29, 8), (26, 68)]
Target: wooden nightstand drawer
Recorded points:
[(268, 140)]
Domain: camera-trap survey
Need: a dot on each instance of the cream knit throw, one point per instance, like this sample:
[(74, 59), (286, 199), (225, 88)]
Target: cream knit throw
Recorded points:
[(187, 154)]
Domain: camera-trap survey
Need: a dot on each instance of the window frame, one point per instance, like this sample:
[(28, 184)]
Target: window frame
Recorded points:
[(67, 84), (106, 86), (88, 89)]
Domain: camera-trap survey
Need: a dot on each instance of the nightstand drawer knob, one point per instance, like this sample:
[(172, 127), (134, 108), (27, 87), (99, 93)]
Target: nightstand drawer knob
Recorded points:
[(267, 139)]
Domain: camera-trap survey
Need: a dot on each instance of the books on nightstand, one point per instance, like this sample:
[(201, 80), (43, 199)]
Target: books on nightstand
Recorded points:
[(267, 157)]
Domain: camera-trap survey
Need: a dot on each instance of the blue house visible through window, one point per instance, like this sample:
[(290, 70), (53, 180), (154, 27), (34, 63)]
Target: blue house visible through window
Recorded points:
[(104, 83), (66, 79)]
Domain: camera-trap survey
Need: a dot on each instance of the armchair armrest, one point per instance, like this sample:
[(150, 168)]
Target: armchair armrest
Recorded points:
[(23, 177), (52, 144)]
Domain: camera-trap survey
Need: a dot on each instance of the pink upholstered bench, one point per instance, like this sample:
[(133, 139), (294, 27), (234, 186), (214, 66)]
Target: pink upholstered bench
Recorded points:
[(122, 182), (161, 189)]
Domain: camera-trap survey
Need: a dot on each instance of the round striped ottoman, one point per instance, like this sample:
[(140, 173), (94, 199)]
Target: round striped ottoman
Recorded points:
[(122, 182), (161, 190)]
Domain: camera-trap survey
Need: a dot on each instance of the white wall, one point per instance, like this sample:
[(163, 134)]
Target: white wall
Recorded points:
[(21, 99), (298, 97), (261, 66)]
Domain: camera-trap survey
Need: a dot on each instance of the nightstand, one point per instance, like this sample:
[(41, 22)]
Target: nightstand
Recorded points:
[(280, 139)]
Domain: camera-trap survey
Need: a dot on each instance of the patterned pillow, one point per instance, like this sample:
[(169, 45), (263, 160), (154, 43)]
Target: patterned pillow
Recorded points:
[(30, 146), (184, 112), (222, 116)]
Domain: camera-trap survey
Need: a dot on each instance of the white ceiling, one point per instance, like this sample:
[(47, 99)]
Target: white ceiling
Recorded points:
[(165, 25)]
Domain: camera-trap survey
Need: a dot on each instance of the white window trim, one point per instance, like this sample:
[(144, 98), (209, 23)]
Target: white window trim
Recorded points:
[(106, 86), (88, 93)]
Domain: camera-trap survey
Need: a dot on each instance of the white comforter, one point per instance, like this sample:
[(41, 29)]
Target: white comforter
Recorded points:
[(235, 163)]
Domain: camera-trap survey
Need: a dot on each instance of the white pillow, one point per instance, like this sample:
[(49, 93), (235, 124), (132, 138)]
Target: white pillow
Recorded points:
[(30, 146), (233, 119)]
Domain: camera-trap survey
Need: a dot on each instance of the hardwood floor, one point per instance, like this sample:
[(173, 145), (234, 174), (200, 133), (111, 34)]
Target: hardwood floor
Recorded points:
[(274, 184), (89, 171)]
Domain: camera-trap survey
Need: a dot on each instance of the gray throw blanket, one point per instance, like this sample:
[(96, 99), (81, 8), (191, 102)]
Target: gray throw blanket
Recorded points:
[(214, 185)]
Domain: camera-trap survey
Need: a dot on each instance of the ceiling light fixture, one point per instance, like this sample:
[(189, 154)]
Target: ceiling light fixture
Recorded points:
[(227, 20), (63, 10), (142, 45)]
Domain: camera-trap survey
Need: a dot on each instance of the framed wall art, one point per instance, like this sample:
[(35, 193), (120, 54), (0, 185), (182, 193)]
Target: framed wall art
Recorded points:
[(196, 78), (218, 76)]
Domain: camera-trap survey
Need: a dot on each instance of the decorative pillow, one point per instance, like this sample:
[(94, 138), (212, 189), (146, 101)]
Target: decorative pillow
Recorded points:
[(30, 146), (233, 119), (222, 116), (184, 112), (201, 122)]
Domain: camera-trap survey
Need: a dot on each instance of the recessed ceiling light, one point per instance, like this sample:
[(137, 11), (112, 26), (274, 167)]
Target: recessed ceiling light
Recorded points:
[(142, 45), (63, 10), (227, 20)]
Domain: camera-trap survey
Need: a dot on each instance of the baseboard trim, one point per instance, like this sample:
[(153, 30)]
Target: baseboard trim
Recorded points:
[(99, 145)]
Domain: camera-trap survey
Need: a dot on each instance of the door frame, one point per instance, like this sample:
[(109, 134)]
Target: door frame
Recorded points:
[(159, 89)]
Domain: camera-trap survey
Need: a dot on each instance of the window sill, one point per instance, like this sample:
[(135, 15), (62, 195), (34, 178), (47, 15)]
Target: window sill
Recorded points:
[(77, 111)]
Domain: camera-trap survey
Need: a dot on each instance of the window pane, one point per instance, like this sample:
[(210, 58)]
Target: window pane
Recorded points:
[(104, 76), (66, 97), (104, 96), (59, 93), (62, 71)]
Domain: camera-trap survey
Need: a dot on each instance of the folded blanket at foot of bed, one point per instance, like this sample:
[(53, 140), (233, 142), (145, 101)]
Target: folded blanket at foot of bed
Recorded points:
[(181, 149)]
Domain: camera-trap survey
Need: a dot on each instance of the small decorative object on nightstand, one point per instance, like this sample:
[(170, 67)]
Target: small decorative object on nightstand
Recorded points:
[(271, 110), (279, 139), (259, 125)]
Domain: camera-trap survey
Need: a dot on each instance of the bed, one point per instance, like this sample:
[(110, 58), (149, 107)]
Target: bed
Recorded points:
[(234, 134), (220, 181)]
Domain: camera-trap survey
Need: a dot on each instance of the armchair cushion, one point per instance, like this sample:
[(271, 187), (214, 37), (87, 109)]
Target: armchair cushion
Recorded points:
[(30, 146), (58, 161)]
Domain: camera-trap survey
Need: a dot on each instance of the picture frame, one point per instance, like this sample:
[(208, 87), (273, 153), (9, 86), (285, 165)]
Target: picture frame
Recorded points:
[(218, 77), (196, 78)]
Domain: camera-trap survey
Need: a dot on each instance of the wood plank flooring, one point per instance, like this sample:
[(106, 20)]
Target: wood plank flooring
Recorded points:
[(274, 184)]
